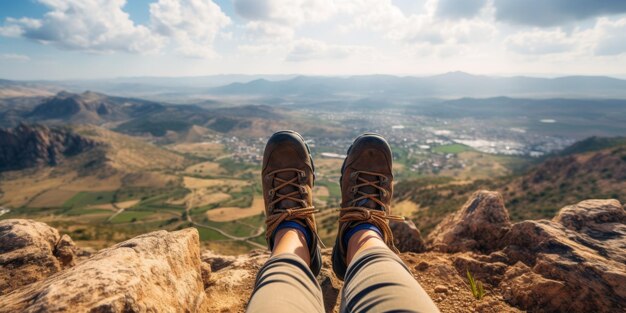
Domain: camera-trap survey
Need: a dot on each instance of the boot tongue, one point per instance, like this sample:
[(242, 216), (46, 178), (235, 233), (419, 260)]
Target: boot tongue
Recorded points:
[(286, 204), (367, 203)]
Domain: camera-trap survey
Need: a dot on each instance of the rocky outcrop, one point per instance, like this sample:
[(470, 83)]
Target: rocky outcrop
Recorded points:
[(573, 263), (579, 255), (478, 226), (407, 238), (31, 251), (155, 272), (35, 145)]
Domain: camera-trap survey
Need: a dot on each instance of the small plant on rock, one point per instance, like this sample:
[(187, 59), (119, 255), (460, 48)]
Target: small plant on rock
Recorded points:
[(476, 287)]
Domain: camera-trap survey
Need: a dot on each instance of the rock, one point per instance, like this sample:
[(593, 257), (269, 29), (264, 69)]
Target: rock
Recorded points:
[(66, 251), (407, 238), (524, 288), (478, 226), (36, 145), (26, 253), (154, 272), (441, 289), (579, 256)]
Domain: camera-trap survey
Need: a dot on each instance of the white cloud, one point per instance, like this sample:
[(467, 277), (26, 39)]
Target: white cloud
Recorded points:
[(268, 32), (277, 20), (14, 57), (191, 24), (612, 37), (309, 49), (541, 42), (91, 25), (286, 12)]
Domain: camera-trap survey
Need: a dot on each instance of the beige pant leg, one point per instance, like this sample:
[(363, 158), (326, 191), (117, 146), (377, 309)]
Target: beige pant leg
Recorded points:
[(286, 284), (378, 281)]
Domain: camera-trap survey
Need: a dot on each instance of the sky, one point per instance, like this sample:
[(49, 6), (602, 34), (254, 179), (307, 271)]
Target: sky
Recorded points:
[(92, 39)]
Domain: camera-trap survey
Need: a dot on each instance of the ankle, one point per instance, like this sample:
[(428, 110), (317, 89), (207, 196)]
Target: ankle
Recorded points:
[(362, 240), (293, 241)]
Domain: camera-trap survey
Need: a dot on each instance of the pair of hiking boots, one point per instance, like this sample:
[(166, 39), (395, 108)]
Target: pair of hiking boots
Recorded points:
[(366, 187)]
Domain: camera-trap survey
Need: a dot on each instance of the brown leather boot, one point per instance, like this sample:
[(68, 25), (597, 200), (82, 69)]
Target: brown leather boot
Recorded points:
[(288, 177), (366, 190)]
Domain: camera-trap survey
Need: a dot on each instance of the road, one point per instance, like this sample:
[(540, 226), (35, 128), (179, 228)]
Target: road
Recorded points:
[(247, 239)]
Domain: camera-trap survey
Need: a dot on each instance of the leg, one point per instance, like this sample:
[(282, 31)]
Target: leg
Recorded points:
[(378, 281), (285, 283)]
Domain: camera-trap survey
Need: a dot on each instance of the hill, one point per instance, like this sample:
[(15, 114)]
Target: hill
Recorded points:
[(79, 159), (36, 145), (536, 193)]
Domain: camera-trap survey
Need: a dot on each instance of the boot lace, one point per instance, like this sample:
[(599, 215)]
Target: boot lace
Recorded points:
[(298, 213), (361, 214)]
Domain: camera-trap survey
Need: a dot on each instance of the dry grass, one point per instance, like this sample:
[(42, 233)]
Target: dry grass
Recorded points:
[(121, 205), (195, 183), (234, 213), (405, 208), (20, 191), (201, 197), (202, 149), (204, 169), (52, 198)]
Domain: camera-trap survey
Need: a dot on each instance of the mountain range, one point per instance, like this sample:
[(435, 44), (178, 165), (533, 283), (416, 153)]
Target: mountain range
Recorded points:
[(448, 85)]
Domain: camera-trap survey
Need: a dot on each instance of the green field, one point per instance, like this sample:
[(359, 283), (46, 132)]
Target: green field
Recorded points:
[(130, 216), (454, 148)]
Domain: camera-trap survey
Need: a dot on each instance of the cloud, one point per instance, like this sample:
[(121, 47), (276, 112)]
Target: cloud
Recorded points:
[(286, 12), (277, 20), (91, 25), (545, 13), (612, 37), (14, 57), (459, 9), (268, 32), (191, 24), (309, 49), (540, 42)]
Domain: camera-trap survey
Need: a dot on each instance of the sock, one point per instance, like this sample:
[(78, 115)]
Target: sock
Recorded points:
[(355, 229), (291, 224)]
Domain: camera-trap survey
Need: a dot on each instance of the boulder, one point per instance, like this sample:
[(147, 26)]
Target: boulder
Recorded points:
[(478, 226), (29, 252), (407, 238), (154, 272), (579, 256)]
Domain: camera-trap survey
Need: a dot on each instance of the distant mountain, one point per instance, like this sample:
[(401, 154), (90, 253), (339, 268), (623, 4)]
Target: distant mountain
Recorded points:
[(454, 84), (14, 89), (91, 108), (28, 146)]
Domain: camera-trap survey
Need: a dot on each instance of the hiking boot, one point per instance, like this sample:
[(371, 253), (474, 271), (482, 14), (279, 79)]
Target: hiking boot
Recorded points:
[(366, 189), (288, 177)]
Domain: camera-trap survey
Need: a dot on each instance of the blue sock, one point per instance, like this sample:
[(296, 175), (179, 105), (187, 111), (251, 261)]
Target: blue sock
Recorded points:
[(355, 229), (291, 224)]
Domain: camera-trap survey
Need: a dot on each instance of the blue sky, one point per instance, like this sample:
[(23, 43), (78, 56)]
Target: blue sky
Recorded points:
[(89, 39)]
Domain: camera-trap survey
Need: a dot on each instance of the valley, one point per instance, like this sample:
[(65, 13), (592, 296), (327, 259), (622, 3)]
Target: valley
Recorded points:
[(106, 168)]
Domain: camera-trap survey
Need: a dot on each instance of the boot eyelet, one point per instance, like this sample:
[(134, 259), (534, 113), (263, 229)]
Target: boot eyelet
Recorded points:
[(353, 175), (270, 193)]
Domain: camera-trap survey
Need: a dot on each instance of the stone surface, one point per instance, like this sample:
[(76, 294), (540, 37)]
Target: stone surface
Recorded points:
[(27, 253), (580, 253), (407, 238), (478, 226), (155, 272)]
